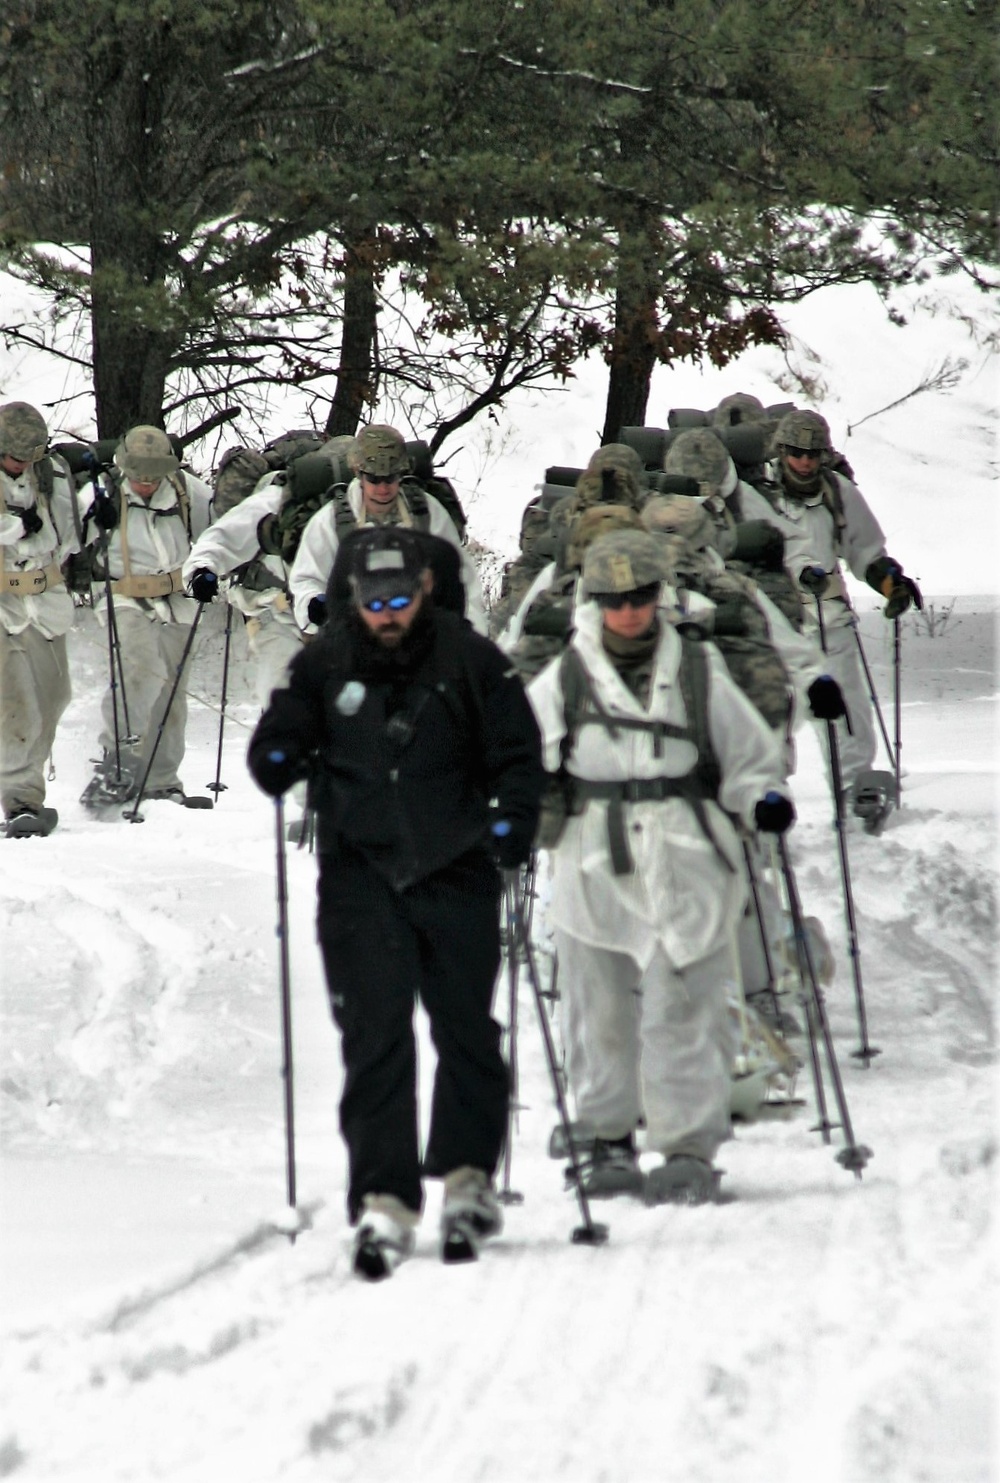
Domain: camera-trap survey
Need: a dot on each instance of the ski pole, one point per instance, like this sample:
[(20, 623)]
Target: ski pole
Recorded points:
[(853, 1156), (898, 706), (872, 695), (132, 814), (117, 673), (865, 1051), (506, 1194), (218, 787), (287, 1075), (770, 987), (590, 1233)]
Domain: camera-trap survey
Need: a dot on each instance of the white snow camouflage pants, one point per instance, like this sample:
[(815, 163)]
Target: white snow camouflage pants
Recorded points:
[(657, 1045), (35, 686)]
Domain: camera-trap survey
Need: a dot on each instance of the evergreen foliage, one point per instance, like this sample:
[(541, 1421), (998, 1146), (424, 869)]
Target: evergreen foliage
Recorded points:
[(225, 191)]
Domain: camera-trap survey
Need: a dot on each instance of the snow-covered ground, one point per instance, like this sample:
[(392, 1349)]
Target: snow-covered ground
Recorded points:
[(156, 1325)]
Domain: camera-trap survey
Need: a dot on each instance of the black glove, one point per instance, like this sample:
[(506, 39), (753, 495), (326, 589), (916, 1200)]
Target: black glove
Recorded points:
[(204, 585), (813, 578), (31, 520), (511, 845), (761, 544), (887, 577), (904, 592), (826, 700), (774, 813), (103, 511), (316, 611), (729, 620), (278, 769)]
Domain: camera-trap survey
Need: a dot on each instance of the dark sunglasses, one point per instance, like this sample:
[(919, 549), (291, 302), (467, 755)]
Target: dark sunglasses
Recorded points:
[(637, 598), (394, 604), (803, 453), (379, 478)]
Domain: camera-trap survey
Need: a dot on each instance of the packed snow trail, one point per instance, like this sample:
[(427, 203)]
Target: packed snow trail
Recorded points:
[(813, 1325)]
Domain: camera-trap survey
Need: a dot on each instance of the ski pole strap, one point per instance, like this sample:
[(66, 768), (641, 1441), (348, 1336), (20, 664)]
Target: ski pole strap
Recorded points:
[(646, 790), (30, 581)]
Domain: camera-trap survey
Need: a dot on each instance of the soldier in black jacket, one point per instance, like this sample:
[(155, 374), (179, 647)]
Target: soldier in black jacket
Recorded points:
[(425, 767)]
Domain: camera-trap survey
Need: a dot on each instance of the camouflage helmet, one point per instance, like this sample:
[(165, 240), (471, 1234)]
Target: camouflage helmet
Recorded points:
[(617, 456), (739, 407), (379, 449), (699, 453), (597, 521), (803, 430), (680, 515), (23, 433), (146, 455), (624, 561), (609, 484)]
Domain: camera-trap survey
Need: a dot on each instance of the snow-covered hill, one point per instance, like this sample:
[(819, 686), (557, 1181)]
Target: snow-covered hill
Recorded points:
[(158, 1328)]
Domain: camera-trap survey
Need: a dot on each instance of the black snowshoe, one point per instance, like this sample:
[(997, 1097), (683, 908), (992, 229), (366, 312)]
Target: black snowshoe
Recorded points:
[(26, 823), (873, 798)]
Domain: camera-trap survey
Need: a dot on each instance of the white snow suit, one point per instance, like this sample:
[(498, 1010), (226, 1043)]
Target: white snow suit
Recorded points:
[(232, 541), (647, 958), (36, 612), (815, 537), (146, 552), (318, 547)]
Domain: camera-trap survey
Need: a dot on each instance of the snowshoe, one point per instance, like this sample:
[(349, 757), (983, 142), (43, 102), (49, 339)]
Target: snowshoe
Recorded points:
[(683, 1179), (105, 794), (174, 793), (873, 798), (26, 822), (381, 1243), (612, 1168), (470, 1215)]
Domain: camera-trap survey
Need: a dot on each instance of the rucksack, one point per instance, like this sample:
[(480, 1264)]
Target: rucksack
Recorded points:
[(240, 471)]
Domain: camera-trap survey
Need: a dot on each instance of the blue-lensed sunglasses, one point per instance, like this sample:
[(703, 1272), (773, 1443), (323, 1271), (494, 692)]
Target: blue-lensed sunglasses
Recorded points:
[(394, 604)]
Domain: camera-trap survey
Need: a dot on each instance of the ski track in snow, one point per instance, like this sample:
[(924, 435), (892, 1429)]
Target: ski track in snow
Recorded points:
[(814, 1316)]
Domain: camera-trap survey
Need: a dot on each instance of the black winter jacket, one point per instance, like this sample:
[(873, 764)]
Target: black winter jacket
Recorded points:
[(406, 751)]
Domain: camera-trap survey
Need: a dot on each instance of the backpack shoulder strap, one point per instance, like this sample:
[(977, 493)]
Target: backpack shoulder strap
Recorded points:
[(179, 485), (834, 500), (414, 496), (344, 518), (694, 681)]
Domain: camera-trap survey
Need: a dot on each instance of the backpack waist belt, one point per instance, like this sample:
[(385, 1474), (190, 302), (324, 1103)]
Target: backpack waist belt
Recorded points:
[(161, 584), (645, 790), (30, 581)]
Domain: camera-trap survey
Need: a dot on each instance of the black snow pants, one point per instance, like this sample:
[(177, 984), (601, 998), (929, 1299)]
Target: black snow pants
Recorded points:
[(439, 940)]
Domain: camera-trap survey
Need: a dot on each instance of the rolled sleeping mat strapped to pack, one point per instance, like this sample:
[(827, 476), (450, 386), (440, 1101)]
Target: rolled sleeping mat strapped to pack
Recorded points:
[(76, 455), (311, 474), (421, 464), (649, 442), (552, 493), (559, 474), (682, 417), (746, 442), (674, 484)]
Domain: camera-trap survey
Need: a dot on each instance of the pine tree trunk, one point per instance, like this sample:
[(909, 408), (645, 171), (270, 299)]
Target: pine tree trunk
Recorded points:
[(130, 358), (357, 377), (636, 337)]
